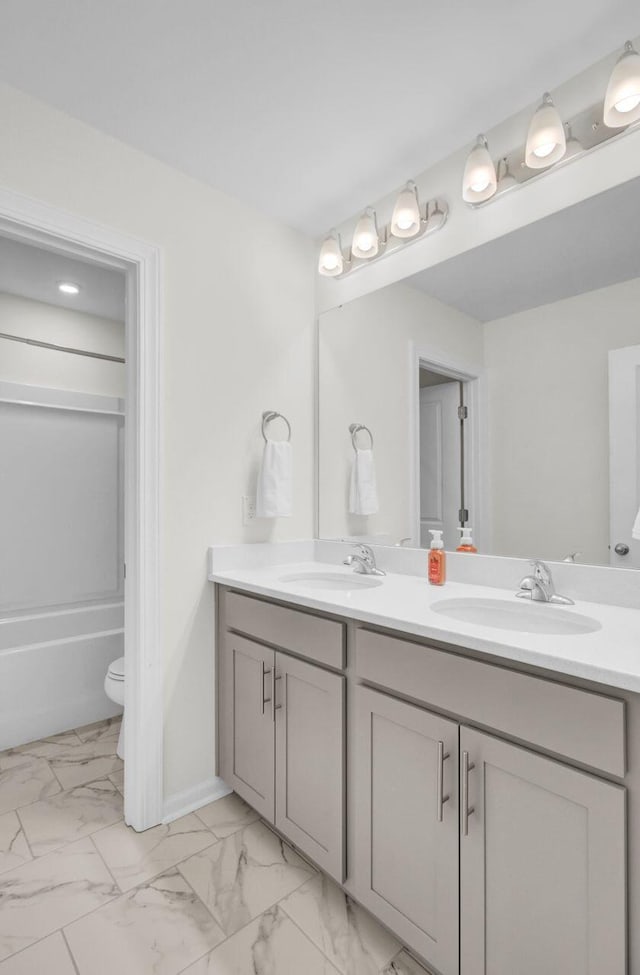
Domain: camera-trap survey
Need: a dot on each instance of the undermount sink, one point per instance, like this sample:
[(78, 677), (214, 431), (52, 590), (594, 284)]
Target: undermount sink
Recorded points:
[(337, 581), (518, 616)]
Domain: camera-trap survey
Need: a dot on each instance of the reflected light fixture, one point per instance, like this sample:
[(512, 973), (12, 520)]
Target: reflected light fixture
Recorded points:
[(366, 241), (69, 288), (331, 259), (479, 181), (406, 219), (546, 143), (622, 100)]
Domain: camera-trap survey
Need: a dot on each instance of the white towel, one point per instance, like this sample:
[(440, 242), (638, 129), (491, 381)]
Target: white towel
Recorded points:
[(363, 494), (635, 531), (275, 481)]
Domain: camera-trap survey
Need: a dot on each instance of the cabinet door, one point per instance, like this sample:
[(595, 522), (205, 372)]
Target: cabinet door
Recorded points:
[(407, 824), (542, 865), (310, 768), (247, 725)]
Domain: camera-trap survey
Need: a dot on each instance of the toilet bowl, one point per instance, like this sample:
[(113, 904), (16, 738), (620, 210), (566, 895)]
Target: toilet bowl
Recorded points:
[(114, 689)]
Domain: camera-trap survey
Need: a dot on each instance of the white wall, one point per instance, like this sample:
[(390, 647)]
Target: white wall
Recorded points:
[(466, 228), (364, 366), (238, 339), (549, 422), (59, 370)]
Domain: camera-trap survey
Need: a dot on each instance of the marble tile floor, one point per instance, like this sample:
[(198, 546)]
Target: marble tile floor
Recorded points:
[(213, 893)]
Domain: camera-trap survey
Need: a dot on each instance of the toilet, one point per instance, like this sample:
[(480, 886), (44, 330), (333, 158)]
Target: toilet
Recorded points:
[(114, 689)]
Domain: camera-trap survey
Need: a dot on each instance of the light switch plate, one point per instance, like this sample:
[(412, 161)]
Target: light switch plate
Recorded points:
[(248, 510)]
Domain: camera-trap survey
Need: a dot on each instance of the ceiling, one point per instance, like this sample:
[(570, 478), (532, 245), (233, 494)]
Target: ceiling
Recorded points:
[(306, 109), (585, 247), (33, 272)]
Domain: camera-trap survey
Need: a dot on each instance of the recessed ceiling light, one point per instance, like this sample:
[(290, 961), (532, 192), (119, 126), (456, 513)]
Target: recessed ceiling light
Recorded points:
[(68, 288)]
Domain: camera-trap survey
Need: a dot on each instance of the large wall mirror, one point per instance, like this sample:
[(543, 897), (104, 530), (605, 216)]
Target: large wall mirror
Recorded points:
[(498, 390)]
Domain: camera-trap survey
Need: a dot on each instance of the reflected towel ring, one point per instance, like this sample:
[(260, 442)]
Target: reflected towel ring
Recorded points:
[(270, 415), (354, 430)]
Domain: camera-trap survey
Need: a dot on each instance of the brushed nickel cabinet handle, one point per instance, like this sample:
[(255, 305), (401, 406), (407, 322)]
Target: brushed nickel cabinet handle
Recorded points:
[(265, 672), (274, 707), (440, 797), (467, 767)]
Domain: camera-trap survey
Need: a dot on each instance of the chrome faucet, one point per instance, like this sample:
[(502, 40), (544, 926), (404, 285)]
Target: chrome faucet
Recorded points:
[(364, 561), (539, 586)]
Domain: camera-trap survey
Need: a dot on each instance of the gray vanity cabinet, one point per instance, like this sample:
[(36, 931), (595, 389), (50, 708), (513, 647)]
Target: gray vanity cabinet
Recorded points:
[(485, 852), (247, 758), (542, 865), (407, 824), (282, 732), (310, 773)]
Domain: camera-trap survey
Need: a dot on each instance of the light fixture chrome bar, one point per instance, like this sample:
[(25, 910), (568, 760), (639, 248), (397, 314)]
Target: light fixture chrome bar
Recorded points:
[(433, 217), (61, 348), (587, 128)]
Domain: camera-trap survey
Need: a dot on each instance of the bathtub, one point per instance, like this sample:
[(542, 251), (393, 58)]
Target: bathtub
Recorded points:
[(52, 669)]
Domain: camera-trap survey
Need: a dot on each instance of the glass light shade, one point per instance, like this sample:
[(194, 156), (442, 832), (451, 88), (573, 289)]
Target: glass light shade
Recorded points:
[(331, 260), (479, 180), (622, 100), (546, 142), (405, 221), (366, 242)]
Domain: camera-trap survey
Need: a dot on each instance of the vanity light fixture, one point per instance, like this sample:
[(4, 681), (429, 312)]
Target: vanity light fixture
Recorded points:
[(366, 240), (622, 100), (411, 221), (546, 142), (331, 260), (479, 182), (406, 218), (69, 288)]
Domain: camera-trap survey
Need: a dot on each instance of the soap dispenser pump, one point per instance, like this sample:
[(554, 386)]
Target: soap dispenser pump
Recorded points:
[(466, 542), (437, 559)]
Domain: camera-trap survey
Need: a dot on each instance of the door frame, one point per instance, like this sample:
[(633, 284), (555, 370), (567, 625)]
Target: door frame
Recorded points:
[(33, 221), (623, 367), (477, 487)]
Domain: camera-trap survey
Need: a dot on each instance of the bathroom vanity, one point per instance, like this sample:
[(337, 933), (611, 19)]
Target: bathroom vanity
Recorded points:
[(483, 807)]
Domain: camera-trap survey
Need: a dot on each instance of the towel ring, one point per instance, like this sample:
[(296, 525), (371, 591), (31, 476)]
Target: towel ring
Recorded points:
[(270, 415), (354, 430)]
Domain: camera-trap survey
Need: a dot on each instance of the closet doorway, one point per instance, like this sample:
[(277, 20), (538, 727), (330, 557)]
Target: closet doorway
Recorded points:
[(80, 426), (448, 449)]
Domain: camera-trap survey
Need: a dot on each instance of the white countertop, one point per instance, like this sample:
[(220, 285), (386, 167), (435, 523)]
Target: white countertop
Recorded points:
[(610, 656)]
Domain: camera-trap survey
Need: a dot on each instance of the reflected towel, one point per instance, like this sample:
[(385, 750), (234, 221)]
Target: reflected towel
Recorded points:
[(363, 493), (635, 531), (275, 481)]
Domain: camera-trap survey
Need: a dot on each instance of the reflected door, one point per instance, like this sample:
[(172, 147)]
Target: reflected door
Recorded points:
[(439, 462), (624, 459)]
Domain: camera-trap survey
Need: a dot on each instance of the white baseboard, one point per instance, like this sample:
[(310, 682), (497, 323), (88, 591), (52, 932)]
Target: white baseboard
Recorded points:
[(194, 798)]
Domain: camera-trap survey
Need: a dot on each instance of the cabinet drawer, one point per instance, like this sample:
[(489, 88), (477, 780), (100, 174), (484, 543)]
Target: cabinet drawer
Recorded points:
[(585, 727), (309, 636)]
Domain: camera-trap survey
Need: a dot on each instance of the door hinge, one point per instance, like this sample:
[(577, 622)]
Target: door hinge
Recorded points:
[(463, 515), (124, 570), (463, 412)]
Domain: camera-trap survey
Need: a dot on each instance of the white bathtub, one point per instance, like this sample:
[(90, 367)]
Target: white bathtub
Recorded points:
[(52, 668)]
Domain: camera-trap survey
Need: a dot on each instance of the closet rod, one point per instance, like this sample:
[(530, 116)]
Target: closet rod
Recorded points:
[(61, 348)]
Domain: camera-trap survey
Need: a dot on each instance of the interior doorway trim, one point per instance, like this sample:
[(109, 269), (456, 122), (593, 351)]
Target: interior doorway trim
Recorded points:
[(30, 220), (477, 494)]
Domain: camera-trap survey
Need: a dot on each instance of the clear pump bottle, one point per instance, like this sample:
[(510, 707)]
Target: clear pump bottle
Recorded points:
[(437, 559), (466, 542)]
